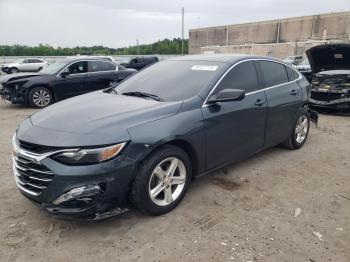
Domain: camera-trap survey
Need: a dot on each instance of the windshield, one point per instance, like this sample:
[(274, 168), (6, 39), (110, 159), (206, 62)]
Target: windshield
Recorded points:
[(171, 80), (305, 62), (18, 61), (53, 68)]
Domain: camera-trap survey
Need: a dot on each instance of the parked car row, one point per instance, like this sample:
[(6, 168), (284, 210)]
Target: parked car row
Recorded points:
[(142, 142), (60, 80), (72, 76)]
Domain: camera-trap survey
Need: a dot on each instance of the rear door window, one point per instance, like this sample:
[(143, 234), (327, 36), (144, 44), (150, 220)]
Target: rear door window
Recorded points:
[(273, 73), (33, 61), (100, 66), (243, 76)]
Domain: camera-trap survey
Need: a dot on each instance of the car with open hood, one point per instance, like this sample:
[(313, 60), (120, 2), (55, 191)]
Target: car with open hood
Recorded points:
[(62, 79), (330, 65), (142, 142), (305, 68)]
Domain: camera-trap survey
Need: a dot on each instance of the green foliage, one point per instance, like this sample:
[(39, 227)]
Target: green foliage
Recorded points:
[(164, 47)]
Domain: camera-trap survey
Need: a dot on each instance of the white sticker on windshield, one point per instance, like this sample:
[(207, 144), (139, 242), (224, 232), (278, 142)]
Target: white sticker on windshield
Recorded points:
[(204, 68)]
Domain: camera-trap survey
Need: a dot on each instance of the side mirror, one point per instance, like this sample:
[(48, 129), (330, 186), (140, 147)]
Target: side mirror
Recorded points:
[(64, 74), (227, 95)]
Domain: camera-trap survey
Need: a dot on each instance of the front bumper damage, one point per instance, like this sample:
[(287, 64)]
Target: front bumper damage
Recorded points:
[(16, 96), (331, 98), (5, 69), (92, 192)]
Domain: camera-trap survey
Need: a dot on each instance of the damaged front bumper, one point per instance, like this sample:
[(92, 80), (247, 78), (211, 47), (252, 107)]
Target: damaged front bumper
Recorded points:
[(15, 96), (86, 192), (335, 98)]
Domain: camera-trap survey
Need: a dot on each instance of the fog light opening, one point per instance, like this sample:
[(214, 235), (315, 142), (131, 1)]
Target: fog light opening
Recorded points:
[(85, 194)]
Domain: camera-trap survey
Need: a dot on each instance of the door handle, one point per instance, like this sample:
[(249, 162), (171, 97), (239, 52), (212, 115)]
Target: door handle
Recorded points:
[(294, 92), (259, 102)]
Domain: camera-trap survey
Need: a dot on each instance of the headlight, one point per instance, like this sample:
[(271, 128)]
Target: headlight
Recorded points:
[(89, 156), (18, 85)]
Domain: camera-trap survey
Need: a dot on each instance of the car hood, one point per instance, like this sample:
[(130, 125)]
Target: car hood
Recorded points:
[(8, 78), (9, 64), (329, 57), (93, 119), (335, 73), (303, 67)]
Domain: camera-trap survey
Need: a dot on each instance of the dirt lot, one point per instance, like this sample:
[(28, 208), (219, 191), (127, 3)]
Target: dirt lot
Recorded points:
[(244, 213)]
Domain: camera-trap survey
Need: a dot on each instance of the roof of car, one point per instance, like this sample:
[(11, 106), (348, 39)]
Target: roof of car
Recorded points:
[(223, 58), (78, 58)]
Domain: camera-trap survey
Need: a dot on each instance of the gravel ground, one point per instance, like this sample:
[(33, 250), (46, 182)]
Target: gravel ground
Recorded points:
[(243, 213)]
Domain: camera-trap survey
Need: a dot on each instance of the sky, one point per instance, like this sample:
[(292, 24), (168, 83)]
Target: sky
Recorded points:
[(118, 23)]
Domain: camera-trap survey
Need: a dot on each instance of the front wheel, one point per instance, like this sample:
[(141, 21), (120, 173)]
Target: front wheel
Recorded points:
[(40, 97), (162, 181), (300, 130), (13, 70)]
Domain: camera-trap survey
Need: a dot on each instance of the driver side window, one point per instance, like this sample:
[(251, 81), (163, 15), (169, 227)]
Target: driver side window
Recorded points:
[(77, 68), (243, 76)]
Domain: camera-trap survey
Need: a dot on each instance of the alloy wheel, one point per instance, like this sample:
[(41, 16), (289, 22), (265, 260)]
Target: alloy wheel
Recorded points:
[(301, 129), (13, 71), (167, 181), (41, 98)]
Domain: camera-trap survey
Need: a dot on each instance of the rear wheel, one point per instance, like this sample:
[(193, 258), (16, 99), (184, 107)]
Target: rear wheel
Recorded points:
[(40, 97), (162, 181), (300, 130)]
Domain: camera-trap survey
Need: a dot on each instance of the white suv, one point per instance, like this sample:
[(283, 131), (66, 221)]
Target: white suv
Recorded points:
[(24, 65)]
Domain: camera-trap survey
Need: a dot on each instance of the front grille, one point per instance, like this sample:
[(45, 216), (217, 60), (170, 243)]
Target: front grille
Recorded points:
[(331, 81), (34, 148), (32, 176), (324, 96)]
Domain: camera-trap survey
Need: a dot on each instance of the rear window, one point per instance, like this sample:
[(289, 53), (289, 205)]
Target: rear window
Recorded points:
[(99, 66), (172, 80), (35, 61), (274, 73), (292, 74)]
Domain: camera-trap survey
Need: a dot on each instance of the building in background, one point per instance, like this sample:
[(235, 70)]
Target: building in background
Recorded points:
[(276, 38)]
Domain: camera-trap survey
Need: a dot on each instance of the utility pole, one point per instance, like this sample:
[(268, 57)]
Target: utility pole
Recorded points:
[(138, 48), (182, 43)]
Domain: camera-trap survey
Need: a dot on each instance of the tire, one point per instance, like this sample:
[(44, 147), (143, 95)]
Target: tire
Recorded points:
[(300, 130), (40, 97), (168, 191), (13, 70)]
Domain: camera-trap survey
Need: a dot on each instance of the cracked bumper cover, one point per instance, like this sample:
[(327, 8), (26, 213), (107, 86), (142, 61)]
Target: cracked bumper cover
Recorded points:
[(86, 192), (330, 98)]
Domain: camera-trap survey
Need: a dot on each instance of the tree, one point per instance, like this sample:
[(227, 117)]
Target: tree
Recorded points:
[(163, 47)]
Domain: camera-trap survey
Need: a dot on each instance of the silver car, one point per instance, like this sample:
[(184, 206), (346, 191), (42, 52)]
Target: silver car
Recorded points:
[(24, 65)]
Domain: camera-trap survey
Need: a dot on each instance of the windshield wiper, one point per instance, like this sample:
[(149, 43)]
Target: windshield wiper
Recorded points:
[(142, 94)]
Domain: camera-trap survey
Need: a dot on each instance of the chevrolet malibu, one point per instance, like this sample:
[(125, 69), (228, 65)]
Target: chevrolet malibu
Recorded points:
[(143, 142)]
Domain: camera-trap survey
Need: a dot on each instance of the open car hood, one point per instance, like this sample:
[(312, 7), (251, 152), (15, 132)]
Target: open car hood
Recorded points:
[(329, 57)]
